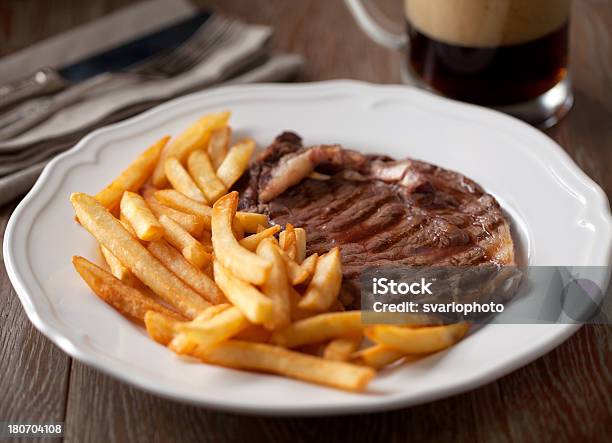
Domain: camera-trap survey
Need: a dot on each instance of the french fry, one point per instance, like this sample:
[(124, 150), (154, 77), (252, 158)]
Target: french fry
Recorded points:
[(417, 340), (319, 328), (133, 177), (254, 333), (287, 241), (267, 358), (341, 349), (181, 342), (189, 222), (192, 250), (276, 288), (126, 224), (309, 264), (206, 241), (211, 311), (238, 260), (203, 173), (180, 202), (127, 300), (325, 284), (118, 270), (207, 333), (161, 328), (250, 220), (377, 356), (253, 240), (251, 302), (111, 234), (140, 217), (235, 163), (175, 200), (237, 229), (296, 273), (183, 269), (315, 349), (298, 313), (217, 146), (181, 181), (148, 191), (300, 242), (195, 137)]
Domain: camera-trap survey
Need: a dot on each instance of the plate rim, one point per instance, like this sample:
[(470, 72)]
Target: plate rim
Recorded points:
[(55, 332)]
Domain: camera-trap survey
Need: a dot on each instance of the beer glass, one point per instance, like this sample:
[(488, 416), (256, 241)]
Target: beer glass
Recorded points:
[(511, 55)]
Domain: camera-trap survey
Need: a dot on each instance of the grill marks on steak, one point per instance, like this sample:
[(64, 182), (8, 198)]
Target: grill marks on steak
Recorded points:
[(378, 210)]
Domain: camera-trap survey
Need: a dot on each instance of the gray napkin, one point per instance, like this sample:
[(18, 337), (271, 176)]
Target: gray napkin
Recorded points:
[(243, 59)]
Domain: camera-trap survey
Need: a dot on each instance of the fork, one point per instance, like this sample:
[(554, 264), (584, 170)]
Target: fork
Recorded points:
[(212, 34)]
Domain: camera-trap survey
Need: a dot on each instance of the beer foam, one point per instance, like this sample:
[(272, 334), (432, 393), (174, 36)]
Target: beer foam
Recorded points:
[(487, 23)]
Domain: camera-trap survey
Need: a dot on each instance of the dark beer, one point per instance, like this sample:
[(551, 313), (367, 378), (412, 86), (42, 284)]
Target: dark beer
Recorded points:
[(491, 76), (489, 52)]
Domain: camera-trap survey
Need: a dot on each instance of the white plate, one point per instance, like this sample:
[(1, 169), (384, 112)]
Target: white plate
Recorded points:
[(560, 218)]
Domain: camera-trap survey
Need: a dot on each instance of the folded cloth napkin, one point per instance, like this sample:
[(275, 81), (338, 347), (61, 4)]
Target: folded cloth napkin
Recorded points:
[(244, 58)]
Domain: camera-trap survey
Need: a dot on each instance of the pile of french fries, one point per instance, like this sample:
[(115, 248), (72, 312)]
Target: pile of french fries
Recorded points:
[(223, 286)]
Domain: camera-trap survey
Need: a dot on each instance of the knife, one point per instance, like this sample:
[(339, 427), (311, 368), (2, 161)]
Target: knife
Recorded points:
[(48, 79)]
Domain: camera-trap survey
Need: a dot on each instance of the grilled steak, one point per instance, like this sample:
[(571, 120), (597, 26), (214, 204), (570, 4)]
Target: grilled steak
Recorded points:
[(380, 211)]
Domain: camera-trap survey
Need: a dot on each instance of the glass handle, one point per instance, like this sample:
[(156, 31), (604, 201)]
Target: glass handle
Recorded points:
[(372, 27)]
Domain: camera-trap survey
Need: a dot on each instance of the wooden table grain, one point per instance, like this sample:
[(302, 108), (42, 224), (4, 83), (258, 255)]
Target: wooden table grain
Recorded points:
[(563, 396)]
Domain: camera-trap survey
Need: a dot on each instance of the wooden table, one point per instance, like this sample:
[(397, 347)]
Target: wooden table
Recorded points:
[(563, 396)]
